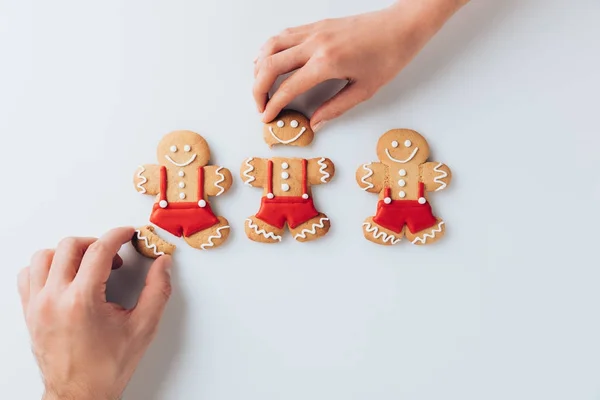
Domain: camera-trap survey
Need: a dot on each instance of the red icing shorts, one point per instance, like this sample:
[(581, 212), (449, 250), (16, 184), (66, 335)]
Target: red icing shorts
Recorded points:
[(293, 210), (183, 218), (398, 213)]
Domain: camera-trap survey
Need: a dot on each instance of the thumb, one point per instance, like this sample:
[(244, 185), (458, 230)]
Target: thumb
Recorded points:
[(349, 97), (155, 295)]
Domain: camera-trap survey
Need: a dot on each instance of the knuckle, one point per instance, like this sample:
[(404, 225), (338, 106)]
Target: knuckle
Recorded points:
[(68, 242), (271, 44), (166, 290), (41, 255), (98, 247), (287, 32)]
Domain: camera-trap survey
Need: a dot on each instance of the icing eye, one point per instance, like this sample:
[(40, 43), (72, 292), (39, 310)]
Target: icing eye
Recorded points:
[(394, 144), (408, 143), (294, 124), (187, 148), (280, 124), (173, 149)]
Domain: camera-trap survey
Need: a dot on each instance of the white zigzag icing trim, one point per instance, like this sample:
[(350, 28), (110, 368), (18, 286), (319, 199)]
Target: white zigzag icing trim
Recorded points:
[(148, 245), (438, 178), (376, 234), (369, 185), (267, 235), (143, 181), (313, 230), (210, 242), (250, 169), (220, 181), (430, 235), (325, 174)]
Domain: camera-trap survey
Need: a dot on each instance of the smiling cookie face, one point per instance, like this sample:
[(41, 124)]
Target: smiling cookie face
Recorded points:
[(181, 149), (402, 146), (289, 128)]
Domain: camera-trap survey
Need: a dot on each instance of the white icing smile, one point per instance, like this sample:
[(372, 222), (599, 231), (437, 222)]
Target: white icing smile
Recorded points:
[(185, 164), (412, 155), (287, 141)]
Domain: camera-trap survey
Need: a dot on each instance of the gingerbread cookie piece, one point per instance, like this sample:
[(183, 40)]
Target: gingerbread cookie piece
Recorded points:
[(287, 197), (148, 244), (290, 128), (403, 179), (182, 183)]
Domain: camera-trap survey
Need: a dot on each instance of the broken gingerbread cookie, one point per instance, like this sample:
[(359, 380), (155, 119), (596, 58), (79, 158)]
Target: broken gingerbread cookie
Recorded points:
[(403, 178), (287, 197), (290, 128), (182, 182)]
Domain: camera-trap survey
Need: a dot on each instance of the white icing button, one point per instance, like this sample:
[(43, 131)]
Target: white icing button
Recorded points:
[(285, 175), (173, 149), (285, 165), (181, 174), (163, 204), (294, 124), (305, 196), (402, 182), (202, 203), (402, 172), (181, 185), (187, 148), (285, 187), (422, 200), (387, 200), (408, 143), (270, 196), (394, 144), (402, 194), (182, 196), (280, 124)]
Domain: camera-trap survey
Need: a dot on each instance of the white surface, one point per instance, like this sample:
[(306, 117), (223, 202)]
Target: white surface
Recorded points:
[(505, 307)]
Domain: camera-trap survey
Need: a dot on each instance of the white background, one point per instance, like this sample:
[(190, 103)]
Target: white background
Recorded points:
[(505, 307)]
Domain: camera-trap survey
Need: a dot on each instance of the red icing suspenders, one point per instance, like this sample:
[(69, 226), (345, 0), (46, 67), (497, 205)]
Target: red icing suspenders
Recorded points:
[(270, 193), (163, 188)]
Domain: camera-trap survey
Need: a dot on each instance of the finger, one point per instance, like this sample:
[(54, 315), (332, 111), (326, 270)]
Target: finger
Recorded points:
[(97, 262), (271, 68), (67, 259), (39, 269), (23, 285), (285, 40), (155, 295), (347, 98), (300, 82)]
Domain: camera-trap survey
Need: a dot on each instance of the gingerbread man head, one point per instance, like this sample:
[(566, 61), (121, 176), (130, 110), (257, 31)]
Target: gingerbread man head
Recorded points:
[(181, 149), (289, 128), (402, 146)]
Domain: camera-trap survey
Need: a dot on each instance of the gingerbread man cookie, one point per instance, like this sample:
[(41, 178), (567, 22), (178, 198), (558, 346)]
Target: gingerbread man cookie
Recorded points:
[(290, 128), (182, 183), (403, 178), (287, 197)]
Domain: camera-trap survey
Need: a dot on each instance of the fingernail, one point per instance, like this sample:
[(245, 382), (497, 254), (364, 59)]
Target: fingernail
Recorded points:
[(318, 126)]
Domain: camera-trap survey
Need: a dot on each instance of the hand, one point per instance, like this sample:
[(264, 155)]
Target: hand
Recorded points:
[(86, 347), (367, 50)]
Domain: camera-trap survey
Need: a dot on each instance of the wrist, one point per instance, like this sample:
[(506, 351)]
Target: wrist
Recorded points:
[(51, 393), (428, 15)]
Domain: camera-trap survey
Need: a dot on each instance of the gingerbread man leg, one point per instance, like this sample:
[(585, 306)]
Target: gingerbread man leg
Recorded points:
[(259, 231), (210, 238), (380, 235), (429, 235), (149, 244), (312, 229)]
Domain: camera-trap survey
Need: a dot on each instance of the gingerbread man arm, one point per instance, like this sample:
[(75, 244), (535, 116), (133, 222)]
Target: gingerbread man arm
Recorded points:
[(436, 176), (371, 177), (147, 179), (320, 170), (217, 180), (254, 172)]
